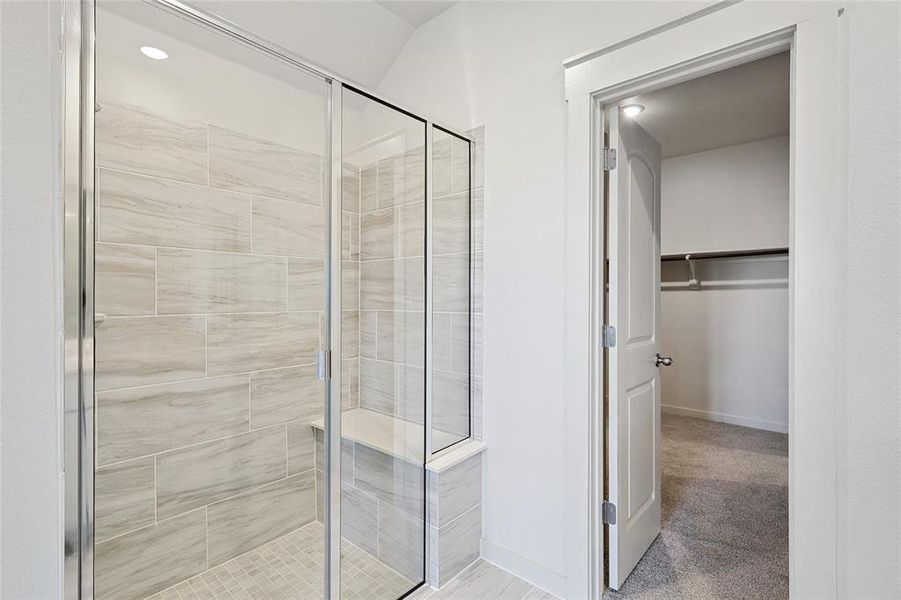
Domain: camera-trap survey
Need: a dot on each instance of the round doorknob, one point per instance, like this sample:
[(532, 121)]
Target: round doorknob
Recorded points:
[(664, 360)]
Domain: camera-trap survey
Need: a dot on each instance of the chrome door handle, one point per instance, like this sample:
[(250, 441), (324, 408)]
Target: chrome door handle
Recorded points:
[(663, 360)]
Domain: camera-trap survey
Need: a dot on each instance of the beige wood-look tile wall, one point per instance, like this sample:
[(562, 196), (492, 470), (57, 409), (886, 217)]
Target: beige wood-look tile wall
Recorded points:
[(391, 286), (453, 296), (210, 281)]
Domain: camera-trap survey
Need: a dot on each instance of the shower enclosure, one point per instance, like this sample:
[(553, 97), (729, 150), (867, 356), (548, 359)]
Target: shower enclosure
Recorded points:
[(270, 272)]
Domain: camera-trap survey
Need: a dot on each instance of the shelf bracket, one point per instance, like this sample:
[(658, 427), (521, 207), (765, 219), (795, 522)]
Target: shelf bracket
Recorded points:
[(693, 283)]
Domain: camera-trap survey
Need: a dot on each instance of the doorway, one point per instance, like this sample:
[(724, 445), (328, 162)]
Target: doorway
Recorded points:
[(704, 42), (698, 194)]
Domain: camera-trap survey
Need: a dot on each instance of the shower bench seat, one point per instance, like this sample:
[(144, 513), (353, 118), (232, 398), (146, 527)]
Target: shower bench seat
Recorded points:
[(392, 435), (382, 486)]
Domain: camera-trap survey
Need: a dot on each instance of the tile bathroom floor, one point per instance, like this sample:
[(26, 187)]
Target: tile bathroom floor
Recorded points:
[(292, 567), (483, 581)]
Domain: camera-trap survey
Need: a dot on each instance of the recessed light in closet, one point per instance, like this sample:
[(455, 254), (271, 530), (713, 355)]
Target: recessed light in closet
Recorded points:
[(631, 110), (154, 53)]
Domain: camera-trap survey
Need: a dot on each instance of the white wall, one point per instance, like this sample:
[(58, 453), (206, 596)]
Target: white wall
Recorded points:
[(729, 339), (500, 65), (30, 298), (725, 199), (869, 460), (492, 65)]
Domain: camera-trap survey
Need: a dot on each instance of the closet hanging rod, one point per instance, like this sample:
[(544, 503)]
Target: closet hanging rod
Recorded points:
[(725, 254)]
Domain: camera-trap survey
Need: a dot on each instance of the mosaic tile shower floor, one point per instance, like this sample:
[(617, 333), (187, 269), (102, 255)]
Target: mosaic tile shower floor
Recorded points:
[(291, 567)]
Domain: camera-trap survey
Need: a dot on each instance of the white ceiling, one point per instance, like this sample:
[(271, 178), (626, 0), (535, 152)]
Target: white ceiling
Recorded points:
[(416, 12), (356, 39), (739, 105)]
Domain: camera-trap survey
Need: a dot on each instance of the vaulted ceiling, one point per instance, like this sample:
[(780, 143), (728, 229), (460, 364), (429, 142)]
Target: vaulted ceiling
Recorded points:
[(416, 12), (357, 39)]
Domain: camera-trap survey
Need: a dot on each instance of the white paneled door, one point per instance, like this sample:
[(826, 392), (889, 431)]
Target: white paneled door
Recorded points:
[(634, 378)]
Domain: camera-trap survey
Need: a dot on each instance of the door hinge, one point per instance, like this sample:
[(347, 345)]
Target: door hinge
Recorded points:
[(608, 510), (608, 336), (324, 365), (609, 158)]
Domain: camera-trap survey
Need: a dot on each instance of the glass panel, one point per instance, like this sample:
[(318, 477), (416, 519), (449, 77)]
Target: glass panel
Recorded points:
[(210, 269), (451, 302), (382, 512)]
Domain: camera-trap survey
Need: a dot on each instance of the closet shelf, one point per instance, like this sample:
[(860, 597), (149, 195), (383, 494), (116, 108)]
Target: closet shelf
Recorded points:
[(725, 254)]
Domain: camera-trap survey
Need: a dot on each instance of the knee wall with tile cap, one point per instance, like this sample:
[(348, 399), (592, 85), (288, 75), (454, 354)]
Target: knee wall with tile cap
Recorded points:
[(454, 515)]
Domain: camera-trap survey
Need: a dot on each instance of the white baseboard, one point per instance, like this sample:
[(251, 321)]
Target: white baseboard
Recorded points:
[(522, 567), (724, 418)]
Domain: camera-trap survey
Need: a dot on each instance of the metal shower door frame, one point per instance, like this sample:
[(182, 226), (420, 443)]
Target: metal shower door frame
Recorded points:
[(78, 182)]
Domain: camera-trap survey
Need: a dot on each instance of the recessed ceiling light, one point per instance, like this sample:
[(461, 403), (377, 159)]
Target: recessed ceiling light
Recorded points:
[(631, 110), (154, 53)]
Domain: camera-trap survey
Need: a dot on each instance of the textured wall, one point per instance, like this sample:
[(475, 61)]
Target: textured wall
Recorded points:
[(869, 460), (31, 501)]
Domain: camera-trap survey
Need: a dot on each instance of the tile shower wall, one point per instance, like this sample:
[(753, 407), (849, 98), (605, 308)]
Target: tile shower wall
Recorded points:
[(382, 499), (391, 320), (392, 284), (382, 494), (209, 292), (350, 256), (455, 519), (454, 270)]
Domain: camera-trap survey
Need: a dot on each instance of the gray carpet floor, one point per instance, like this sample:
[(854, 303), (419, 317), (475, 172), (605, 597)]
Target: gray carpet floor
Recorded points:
[(725, 515)]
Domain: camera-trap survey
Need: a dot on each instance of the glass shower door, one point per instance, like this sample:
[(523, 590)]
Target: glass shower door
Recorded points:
[(210, 299), (451, 299), (383, 329)]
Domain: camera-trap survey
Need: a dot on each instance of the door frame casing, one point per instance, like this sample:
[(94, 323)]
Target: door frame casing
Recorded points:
[(604, 100), (727, 34)]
